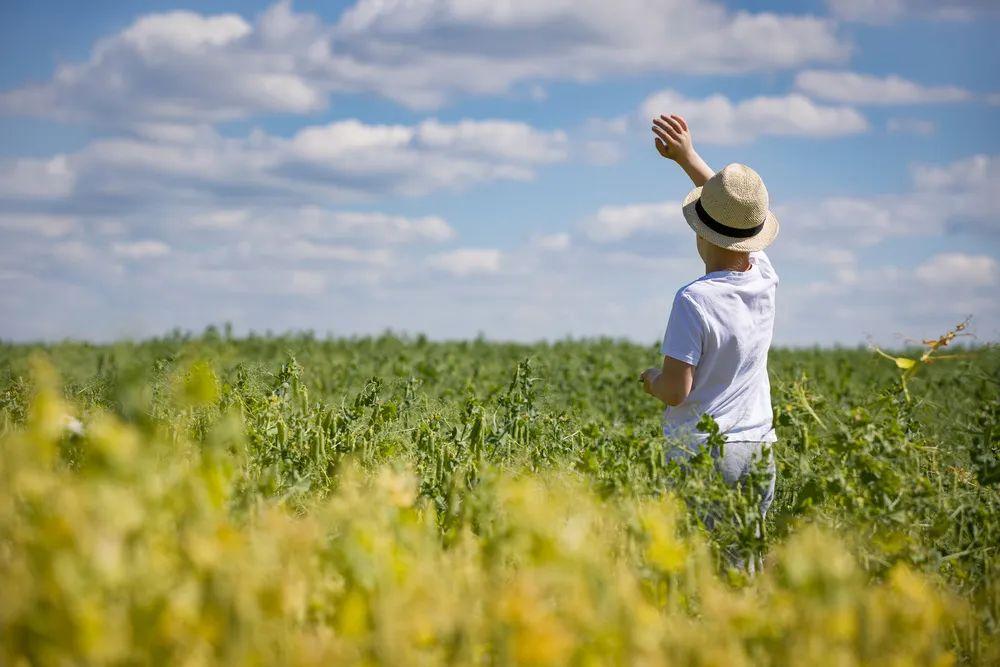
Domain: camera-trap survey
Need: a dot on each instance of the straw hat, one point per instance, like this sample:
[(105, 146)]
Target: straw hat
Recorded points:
[(731, 210)]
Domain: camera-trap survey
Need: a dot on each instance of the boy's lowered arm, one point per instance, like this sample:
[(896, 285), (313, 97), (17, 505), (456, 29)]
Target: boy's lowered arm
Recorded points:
[(673, 141)]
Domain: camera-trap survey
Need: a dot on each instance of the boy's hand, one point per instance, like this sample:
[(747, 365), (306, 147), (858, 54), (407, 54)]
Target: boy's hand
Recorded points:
[(648, 377), (673, 139)]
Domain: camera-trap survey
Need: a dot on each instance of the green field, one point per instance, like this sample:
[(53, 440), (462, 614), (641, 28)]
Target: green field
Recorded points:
[(291, 500)]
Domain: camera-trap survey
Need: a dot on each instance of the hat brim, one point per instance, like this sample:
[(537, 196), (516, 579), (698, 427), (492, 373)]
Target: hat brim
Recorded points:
[(758, 241)]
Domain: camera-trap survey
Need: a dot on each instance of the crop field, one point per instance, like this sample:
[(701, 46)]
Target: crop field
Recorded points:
[(292, 500)]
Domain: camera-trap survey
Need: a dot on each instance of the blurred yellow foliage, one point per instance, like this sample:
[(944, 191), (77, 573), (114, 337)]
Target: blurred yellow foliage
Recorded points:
[(136, 555), (199, 386)]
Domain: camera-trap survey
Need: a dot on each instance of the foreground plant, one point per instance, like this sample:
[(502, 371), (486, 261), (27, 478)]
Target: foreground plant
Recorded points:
[(129, 545)]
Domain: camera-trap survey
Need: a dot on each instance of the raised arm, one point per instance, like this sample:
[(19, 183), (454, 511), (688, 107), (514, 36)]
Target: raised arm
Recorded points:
[(673, 141)]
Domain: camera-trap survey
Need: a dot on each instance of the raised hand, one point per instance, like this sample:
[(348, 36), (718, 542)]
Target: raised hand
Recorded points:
[(673, 139)]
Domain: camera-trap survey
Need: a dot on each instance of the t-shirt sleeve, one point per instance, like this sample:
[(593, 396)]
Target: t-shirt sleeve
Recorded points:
[(685, 329), (764, 262)]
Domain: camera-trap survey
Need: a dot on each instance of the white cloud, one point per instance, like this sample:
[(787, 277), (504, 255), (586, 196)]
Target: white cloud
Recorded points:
[(603, 153), (538, 93), (184, 66), (219, 219), (978, 172), (393, 228), (617, 223), (467, 261), (617, 126), (295, 268), (50, 226), (254, 225), (73, 252), (184, 32), (341, 160), (301, 250), (855, 88), (422, 158), (142, 249), (718, 120), (347, 138), (502, 139), (600, 140), (286, 265), (306, 282), (942, 198), (221, 260), (552, 242), (875, 287), (880, 12), (313, 233), (32, 178), (845, 273), (955, 268), (918, 126), (893, 302), (866, 11), (490, 46)]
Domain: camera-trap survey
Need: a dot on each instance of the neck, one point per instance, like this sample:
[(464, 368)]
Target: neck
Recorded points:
[(727, 261)]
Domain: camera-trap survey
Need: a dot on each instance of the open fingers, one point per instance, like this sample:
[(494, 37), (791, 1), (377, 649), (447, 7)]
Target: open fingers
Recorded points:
[(669, 120), (667, 129), (680, 119), (667, 141)]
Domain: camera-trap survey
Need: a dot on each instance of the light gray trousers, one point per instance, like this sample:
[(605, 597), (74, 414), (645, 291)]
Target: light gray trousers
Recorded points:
[(735, 462)]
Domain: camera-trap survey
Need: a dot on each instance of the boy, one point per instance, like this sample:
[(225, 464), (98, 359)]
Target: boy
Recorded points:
[(720, 325)]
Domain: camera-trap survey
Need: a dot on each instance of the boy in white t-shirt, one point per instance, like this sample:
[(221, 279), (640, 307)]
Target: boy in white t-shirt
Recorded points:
[(719, 330)]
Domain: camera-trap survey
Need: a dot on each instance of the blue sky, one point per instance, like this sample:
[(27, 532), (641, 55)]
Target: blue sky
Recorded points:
[(459, 166)]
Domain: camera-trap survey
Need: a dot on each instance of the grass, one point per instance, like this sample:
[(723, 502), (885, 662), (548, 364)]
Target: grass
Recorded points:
[(204, 499)]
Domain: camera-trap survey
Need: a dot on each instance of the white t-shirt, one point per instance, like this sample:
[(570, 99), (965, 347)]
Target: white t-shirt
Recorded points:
[(722, 324)]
